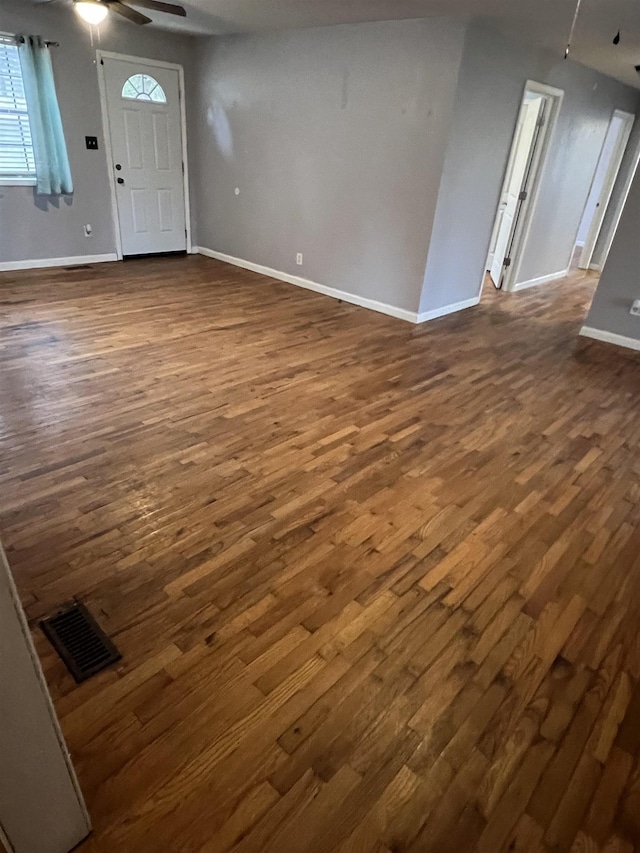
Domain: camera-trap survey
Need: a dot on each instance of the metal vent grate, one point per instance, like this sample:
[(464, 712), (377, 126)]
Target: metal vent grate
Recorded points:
[(80, 641)]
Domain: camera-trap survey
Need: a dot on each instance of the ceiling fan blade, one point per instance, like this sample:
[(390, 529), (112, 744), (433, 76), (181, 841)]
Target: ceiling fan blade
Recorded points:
[(129, 14), (169, 8)]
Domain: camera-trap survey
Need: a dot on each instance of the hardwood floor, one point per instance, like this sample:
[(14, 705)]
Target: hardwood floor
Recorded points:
[(376, 586)]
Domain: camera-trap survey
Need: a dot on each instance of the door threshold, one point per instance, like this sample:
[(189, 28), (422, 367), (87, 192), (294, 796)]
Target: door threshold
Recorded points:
[(155, 255)]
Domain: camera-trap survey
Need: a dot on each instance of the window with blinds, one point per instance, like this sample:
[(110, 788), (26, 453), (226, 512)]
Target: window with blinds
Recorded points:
[(17, 164)]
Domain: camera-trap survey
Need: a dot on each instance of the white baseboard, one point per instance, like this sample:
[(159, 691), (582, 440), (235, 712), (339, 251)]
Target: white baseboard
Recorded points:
[(447, 309), (610, 338), (42, 263), (543, 279), (354, 299)]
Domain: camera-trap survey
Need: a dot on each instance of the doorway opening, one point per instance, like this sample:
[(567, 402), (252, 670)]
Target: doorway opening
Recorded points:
[(536, 121), (600, 195)]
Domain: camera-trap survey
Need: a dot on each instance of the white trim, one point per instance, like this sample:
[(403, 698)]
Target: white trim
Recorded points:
[(448, 309), (541, 154), (106, 133), (38, 674), (343, 295), (604, 252), (354, 299), (126, 57), (609, 182), (41, 263), (543, 279), (185, 158), (610, 337)]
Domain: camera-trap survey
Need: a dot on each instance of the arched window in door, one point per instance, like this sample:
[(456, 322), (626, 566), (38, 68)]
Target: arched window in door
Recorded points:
[(143, 87)]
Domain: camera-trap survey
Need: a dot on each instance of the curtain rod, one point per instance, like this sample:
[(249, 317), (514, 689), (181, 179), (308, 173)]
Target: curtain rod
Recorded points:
[(21, 40)]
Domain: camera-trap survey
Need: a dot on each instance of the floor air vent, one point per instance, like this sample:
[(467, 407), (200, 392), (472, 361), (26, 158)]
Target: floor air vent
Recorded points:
[(80, 641)]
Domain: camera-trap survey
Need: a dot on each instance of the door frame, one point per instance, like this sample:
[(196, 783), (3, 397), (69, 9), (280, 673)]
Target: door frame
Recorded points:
[(604, 199), (618, 210), (106, 132), (51, 805), (542, 147)]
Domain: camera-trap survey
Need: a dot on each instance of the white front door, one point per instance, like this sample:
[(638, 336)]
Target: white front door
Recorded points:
[(145, 129), (519, 162)]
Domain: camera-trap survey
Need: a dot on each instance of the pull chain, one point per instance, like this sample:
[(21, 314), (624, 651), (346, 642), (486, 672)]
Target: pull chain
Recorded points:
[(573, 27)]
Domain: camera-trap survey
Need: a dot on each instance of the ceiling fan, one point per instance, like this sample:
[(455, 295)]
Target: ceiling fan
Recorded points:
[(95, 11)]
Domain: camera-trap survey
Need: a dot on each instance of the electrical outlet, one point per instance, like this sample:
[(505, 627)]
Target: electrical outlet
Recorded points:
[(635, 308), (299, 259), (88, 230)]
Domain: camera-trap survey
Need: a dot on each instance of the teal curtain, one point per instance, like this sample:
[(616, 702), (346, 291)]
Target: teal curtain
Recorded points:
[(53, 174)]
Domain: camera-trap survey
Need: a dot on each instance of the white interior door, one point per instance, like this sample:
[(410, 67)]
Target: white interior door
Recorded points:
[(145, 131), (606, 173), (519, 161)]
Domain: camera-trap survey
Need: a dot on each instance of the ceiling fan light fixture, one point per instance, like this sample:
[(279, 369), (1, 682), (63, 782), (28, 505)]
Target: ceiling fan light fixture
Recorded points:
[(92, 11)]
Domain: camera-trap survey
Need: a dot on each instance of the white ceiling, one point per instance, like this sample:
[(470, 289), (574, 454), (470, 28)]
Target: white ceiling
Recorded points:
[(543, 22)]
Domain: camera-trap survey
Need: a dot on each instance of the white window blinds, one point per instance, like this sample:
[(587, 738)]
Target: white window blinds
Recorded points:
[(16, 149)]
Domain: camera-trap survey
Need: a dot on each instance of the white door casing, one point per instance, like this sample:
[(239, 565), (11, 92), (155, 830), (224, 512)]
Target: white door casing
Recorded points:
[(613, 149), (519, 162), (145, 153), (601, 252), (41, 806)]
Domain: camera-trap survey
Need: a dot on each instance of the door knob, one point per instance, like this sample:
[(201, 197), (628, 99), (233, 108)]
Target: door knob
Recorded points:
[(120, 180)]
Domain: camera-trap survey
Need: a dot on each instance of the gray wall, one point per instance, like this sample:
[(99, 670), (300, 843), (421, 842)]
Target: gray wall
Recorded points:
[(336, 139), (365, 147), (620, 281), (590, 99), (492, 78), (485, 112), (33, 227)]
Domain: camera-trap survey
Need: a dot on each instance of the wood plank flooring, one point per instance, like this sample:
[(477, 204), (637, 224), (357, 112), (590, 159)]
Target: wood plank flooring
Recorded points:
[(376, 586)]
